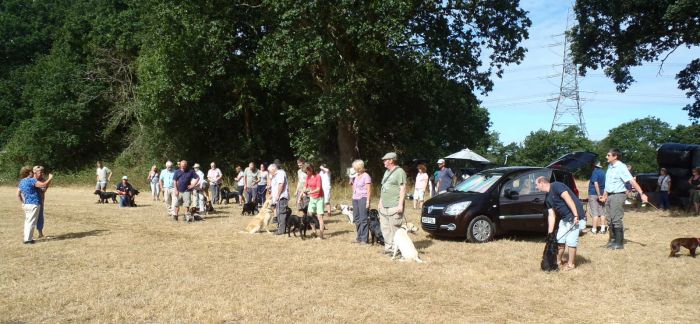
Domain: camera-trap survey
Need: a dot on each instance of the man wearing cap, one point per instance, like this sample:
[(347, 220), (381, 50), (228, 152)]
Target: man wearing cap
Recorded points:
[(391, 200), (126, 191), (185, 180), (445, 177), (596, 187), (167, 185)]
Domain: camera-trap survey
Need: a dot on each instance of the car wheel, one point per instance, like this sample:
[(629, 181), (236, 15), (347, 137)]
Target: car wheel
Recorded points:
[(480, 230)]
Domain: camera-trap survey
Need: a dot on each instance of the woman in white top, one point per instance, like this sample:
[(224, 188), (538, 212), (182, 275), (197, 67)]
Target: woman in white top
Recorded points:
[(262, 185), (240, 182)]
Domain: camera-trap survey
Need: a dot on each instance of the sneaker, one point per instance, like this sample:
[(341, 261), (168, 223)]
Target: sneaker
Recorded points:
[(28, 242)]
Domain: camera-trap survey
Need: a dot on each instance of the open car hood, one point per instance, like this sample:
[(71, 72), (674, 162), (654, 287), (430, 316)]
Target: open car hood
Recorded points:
[(573, 161)]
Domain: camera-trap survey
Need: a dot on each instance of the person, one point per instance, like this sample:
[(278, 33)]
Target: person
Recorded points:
[(185, 180), (29, 196), (201, 191), (694, 182), (38, 174), (301, 179), (262, 185), (434, 181), (126, 192), (361, 197), (445, 177), (614, 197), (279, 190), (664, 188), (561, 202), (596, 186), (167, 186), (421, 186), (240, 183), (391, 200), (250, 185), (325, 174), (215, 178), (630, 192), (154, 181), (314, 189), (103, 176)]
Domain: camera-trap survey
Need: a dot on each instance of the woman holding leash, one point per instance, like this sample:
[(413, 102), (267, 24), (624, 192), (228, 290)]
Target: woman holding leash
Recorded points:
[(29, 194)]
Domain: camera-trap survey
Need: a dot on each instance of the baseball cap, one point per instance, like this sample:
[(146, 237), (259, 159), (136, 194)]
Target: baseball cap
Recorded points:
[(196, 166), (441, 161), (389, 156), (125, 178)]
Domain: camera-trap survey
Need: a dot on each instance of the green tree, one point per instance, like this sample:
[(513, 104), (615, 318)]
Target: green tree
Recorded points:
[(617, 35), (686, 134), (638, 141)]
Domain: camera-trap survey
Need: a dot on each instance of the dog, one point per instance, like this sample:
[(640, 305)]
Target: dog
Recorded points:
[(347, 211), (549, 255), (193, 212), (309, 222), (294, 223), (403, 243), (105, 196), (208, 207), (375, 229), (250, 208), (690, 243), (227, 194), (262, 220)]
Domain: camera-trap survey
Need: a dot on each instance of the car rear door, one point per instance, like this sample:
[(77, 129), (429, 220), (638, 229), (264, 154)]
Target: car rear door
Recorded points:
[(572, 162), (521, 204)]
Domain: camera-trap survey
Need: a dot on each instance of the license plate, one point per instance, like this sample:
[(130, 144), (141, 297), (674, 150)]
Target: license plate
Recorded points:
[(427, 220)]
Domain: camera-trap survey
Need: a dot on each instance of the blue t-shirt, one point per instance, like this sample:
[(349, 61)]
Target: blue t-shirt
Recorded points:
[(30, 191), (597, 176), (446, 177), (184, 178), (556, 202), (168, 178)]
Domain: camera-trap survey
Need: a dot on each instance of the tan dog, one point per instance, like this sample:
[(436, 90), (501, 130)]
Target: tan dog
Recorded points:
[(404, 244), (261, 220)]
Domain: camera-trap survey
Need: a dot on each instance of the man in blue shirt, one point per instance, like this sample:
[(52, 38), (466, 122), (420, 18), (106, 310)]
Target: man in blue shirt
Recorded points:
[(614, 197), (185, 180), (561, 201), (596, 187), (445, 177), (167, 185)]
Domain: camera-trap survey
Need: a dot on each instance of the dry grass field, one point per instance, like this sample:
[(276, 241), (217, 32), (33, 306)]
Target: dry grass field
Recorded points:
[(100, 263)]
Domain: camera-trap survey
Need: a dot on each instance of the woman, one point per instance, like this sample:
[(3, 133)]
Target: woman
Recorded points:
[(421, 186), (154, 179), (695, 190), (664, 188), (314, 189), (262, 185), (28, 193), (240, 182), (325, 174), (361, 194)]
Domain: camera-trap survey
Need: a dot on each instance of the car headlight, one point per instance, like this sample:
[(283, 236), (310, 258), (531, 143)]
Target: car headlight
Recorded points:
[(456, 209)]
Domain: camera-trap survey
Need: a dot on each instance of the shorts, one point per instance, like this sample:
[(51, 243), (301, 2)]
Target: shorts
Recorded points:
[(184, 199), (316, 206), (101, 185), (566, 235), (326, 195), (595, 207), (419, 194)]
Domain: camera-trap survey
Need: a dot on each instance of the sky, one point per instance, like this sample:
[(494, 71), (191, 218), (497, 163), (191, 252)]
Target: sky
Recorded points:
[(518, 103)]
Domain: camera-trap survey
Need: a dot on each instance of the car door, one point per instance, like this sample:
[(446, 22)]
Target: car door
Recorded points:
[(521, 204)]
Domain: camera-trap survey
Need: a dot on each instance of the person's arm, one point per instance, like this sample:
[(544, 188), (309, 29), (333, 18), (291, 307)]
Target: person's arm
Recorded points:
[(570, 203), (176, 182), (280, 187), (317, 182), (636, 186), (192, 185), (19, 196), (550, 221), (597, 188), (44, 184), (109, 176), (402, 197), (245, 181), (369, 192)]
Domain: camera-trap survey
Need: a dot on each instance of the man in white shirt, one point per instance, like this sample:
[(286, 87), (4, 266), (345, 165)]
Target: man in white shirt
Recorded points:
[(279, 189), (214, 176)]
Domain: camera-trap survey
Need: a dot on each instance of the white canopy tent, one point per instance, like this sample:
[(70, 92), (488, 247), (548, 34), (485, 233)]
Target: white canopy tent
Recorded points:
[(467, 154)]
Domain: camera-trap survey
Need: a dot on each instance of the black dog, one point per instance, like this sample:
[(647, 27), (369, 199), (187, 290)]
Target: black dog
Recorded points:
[(287, 213), (105, 196), (549, 255), (308, 222), (250, 208), (227, 194), (294, 223), (375, 229)]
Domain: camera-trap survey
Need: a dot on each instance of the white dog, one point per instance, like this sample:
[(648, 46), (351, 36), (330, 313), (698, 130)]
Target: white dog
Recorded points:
[(347, 211), (404, 244)]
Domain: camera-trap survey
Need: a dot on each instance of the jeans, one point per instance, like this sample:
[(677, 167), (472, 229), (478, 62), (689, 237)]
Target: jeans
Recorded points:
[(663, 200), (214, 188), (155, 190), (359, 215), (251, 194), (40, 219), (262, 191), (124, 201), (281, 215)]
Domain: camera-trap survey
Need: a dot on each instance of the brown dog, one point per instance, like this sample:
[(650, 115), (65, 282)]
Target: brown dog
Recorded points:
[(690, 243)]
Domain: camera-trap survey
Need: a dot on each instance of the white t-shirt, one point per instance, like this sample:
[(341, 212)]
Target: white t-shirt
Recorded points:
[(241, 181), (325, 179), (102, 174), (280, 177), (263, 178)]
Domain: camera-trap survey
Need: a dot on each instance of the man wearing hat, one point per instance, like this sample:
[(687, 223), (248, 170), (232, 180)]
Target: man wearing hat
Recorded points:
[(596, 187), (445, 177), (125, 191), (391, 200)]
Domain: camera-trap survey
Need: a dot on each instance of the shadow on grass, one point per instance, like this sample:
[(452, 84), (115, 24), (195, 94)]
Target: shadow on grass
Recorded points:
[(77, 235), (422, 244), (336, 233)]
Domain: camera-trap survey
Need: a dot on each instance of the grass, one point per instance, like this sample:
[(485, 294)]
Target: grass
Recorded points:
[(105, 264)]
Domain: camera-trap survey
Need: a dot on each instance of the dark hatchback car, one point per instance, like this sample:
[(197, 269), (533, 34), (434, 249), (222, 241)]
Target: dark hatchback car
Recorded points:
[(499, 200)]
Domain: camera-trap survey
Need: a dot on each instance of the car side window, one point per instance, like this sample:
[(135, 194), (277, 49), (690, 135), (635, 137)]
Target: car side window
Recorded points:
[(524, 184)]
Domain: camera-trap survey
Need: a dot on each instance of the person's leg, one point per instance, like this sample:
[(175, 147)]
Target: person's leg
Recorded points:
[(241, 195), (40, 221), (415, 199), (562, 231), (560, 254), (318, 207), (281, 216), (362, 220), (355, 217), (187, 202), (616, 220), (572, 243), (386, 227), (31, 212)]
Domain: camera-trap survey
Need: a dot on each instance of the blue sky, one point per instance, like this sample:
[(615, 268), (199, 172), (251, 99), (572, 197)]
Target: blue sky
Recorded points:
[(518, 104)]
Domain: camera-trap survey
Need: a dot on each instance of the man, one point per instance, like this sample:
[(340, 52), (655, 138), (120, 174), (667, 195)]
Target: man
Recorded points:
[(200, 191), (279, 189), (445, 177), (596, 186), (103, 175), (614, 197), (167, 185), (252, 177), (301, 179), (391, 200), (185, 180), (214, 175), (562, 202), (126, 193)]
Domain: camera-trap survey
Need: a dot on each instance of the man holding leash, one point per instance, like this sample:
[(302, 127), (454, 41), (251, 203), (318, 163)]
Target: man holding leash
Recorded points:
[(185, 180), (561, 201), (614, 197), (391, 200), (279, 188)]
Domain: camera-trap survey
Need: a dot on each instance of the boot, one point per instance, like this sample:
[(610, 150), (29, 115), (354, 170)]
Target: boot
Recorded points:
[(611, 236), (619, 243)]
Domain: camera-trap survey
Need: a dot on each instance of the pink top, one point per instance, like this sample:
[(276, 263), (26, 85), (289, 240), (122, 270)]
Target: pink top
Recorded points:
[(421, 181), (361, 186), (312, 183)]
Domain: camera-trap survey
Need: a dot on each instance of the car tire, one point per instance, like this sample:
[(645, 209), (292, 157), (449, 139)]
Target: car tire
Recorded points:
[(480, 230)]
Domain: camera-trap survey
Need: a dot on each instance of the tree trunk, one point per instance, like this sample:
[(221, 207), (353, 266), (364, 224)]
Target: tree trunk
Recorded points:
[(347, 145)]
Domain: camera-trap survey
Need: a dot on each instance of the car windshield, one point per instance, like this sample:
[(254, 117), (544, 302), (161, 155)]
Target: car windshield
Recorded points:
[(479, 182)]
